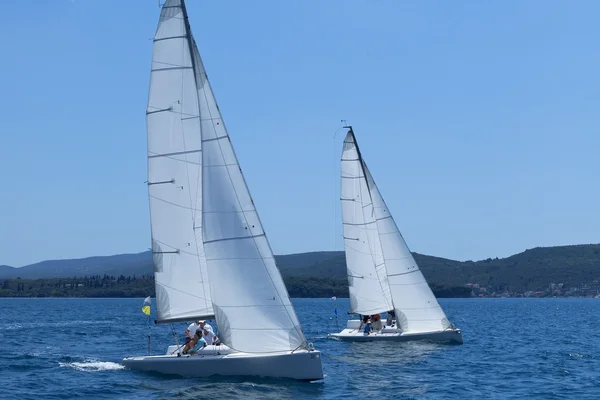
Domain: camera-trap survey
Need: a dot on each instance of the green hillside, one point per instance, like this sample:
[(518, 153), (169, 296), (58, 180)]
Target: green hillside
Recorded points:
[(532, 269)]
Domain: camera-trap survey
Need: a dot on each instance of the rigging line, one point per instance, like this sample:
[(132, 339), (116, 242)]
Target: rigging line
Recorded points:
[(295, 321)]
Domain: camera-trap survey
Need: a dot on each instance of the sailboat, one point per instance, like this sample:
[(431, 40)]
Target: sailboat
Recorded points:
[(383, 276), (211, 256)]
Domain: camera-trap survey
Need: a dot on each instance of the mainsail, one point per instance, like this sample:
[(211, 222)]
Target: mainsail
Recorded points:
[(367, 279), (175, 172), (417, 309)]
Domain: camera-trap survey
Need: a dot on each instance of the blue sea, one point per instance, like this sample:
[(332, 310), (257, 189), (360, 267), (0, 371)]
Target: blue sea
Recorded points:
[(514, 348)]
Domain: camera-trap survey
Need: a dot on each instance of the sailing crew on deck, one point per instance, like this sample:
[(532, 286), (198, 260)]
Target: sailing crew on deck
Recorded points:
[(191, 331), (390, 318), (207, 333), (196, 343), (364, 320), (377, 324), (368, 328)]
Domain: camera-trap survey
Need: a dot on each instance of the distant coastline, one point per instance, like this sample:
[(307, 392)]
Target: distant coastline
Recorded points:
[(562, 271), (132, 286), (298, 287)]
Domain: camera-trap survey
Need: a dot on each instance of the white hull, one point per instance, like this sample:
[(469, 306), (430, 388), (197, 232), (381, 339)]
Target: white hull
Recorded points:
[(221, 360), (353, 334)]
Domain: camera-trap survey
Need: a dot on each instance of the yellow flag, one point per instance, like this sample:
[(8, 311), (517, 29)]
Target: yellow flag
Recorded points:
[(146, 306)]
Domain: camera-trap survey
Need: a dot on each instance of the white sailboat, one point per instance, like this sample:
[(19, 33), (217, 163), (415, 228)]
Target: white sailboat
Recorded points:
[(382, 273), (211, 255)]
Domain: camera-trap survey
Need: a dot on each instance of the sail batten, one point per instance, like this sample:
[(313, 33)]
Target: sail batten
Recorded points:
[(174, 174)]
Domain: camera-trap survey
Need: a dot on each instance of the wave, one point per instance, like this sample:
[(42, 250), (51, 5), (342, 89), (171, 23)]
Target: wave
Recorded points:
[(93, 366)]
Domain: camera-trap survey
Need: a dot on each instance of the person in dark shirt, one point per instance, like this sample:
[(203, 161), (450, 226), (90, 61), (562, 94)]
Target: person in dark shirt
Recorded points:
[(368, 328)]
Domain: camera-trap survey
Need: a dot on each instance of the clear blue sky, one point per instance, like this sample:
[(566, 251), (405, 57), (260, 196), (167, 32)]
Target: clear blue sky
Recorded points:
[(479, 120)]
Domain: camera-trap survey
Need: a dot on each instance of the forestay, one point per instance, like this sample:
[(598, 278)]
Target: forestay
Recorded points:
[(174, 172), (417, 309), (252, 306), (367, 278)]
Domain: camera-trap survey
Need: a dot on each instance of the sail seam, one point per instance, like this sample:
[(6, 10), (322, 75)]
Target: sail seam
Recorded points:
[(403, 273), (177, 153), (171, 203), (215, 138), (364, 223), (180, 291), (229, 212), (220, 165), (170, 69), (232, 238), (409, 284)]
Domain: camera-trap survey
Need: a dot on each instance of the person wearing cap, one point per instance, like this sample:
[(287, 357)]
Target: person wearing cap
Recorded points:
[(207, 332), (368, 328)]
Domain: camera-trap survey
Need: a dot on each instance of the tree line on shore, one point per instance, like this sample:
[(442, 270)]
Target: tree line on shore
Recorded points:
[(142, 286)]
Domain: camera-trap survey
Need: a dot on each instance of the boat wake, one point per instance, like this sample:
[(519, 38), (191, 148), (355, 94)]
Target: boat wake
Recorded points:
[(92, 366)]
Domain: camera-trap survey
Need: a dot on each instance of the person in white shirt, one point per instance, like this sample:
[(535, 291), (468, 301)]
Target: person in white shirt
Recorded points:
[(191, 330), (207, 333)]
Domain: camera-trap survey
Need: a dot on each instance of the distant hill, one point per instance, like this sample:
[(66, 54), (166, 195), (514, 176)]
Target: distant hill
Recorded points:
[(532, 269), (127, 264)]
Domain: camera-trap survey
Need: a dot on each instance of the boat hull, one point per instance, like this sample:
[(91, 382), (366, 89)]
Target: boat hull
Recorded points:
[(301, 365), (353, 335)]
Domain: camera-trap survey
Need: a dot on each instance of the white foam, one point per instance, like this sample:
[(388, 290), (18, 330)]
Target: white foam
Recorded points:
[(93, 366)]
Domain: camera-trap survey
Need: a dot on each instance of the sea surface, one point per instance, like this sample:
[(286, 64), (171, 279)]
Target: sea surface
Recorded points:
[(514, 348)]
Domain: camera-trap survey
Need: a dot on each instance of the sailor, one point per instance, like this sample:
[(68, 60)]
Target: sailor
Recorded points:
[(191, 331), (368, 328), (200, 343), (376, 318), (364, 320), (196, 343), (207, 333), (390, 318)]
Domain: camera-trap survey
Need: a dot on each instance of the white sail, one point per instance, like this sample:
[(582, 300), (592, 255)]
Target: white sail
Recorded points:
[(417, 309), (252, 306), (175, 174), (367, 278)]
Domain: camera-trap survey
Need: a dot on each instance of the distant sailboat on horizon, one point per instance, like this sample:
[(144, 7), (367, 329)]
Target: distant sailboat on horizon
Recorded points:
[(382, 273), (211, 256)]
